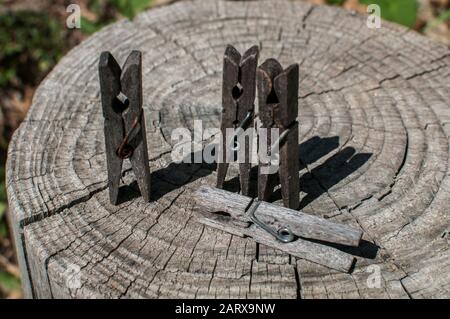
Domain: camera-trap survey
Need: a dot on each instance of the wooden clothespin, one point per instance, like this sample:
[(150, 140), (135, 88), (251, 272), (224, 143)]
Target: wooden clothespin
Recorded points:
[(278, 227), (125, 137), (278, 109), (238, 98)]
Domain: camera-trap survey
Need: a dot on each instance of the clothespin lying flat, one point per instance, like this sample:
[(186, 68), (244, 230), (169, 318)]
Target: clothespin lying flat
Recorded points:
[(121, 92), (278, 227), (238, 97), (278, 108)]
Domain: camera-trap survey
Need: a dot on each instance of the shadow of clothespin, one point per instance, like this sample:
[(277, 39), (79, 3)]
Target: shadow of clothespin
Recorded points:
[(121, 95)]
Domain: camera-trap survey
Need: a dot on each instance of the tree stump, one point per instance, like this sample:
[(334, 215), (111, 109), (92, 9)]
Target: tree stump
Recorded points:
[(374, 154)]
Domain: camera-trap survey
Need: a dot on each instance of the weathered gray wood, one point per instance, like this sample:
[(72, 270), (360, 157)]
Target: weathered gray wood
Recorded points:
[(308, 226), (212, 202), (374, 135), (316, 253), (232, 204)]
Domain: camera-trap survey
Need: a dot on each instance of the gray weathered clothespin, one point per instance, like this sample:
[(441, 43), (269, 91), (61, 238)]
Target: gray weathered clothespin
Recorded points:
[(238, 108), (278, 109), (121, 94), (278, 227)]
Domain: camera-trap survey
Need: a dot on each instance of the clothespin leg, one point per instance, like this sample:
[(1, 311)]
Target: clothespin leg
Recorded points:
[(222, 169), (290, 182), (266, 184), (263, 186), (142, 172), (244, 172), (114, 166)]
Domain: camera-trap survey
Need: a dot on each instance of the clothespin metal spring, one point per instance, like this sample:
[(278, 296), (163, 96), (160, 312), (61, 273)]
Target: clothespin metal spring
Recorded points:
[(284, 234), (280, 140), (125, 150)]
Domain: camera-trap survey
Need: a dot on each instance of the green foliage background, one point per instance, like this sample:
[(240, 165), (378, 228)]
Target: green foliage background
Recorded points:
[(127, 8), (401, 11), (31, 44)]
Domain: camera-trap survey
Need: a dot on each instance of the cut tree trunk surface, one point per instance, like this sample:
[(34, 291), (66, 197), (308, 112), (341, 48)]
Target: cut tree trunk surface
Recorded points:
[(374, 154)]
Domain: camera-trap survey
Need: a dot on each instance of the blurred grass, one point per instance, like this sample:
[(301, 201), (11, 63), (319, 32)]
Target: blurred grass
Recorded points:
[(9, 280), (400, 11), (32, 43), (10, 285), (100, 8), (3, 204), (443, 17)]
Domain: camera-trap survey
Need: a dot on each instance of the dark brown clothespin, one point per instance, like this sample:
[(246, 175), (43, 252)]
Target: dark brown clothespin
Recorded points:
[(288, 230), (238, 98), (278, 109), (125, 137)]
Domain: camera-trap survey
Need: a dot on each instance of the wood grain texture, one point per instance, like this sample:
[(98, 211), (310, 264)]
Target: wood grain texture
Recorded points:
[(374, 154), (232, 207), (230, 212), (308, 226), (218, 204)]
